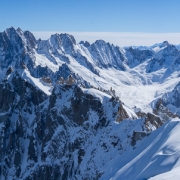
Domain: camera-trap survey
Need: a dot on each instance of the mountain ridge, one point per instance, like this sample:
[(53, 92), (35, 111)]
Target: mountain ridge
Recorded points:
[(68, 109)]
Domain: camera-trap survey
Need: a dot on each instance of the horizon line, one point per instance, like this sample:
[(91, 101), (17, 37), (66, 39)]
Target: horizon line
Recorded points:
[(118, 38)]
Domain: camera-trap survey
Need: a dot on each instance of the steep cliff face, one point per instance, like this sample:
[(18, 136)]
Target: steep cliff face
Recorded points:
[(106, 55), (169, 104), (16, 47), (167, 56), (137, 56), (19, 101)]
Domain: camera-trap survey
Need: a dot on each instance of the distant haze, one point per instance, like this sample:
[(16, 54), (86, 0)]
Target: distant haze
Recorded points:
[(118, 38)]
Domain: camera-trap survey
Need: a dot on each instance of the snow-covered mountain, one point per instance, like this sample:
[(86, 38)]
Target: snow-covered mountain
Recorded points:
[(71, 110)]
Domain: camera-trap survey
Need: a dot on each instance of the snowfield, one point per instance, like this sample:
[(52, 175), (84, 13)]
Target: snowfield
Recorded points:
[(154, 155)]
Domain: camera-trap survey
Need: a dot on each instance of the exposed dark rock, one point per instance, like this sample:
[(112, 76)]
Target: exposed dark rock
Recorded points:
[(122, 114), (162, 111), (137, 136), (37, 130), (150, 119), (137, 56), (9, 71)]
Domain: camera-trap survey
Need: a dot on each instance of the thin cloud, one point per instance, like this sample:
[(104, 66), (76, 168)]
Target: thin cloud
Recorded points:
[(118, 38)]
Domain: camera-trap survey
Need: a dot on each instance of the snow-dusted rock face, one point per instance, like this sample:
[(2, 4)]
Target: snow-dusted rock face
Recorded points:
[(70, 134), (44, 57), (171, 100), (57, 46), (167, 56), (68, 109), (106, 55), (137, 56), (16, 47), (173, 97)]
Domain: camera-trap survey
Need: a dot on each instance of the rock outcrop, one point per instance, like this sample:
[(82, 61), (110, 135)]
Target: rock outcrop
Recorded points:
[(51, 137)]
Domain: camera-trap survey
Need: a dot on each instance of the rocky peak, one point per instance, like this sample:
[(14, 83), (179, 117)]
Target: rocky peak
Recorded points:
[(67, 39), (55, 40), (59, 45), (165, 43), (10, 31), (167, 49), (107, 55), (16, 46), (167, 56), (30, 39), (17, 36), (64, 40), (12, 35), (12, 47), (68, 43), (19, 31), (100, 43), (86, 43)]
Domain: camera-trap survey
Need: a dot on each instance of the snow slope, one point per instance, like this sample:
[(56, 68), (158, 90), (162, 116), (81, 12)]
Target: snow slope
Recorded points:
[(174, 174), (156, 154), (134, 88)]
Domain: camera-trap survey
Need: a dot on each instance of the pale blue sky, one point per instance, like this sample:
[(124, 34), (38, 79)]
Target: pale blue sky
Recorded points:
[(146, 16)]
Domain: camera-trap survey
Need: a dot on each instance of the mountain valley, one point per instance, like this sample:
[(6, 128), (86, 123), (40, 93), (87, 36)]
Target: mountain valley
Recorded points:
[(73, 110)]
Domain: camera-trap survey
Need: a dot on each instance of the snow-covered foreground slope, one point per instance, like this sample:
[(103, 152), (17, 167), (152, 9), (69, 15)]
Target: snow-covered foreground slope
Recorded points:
[(174, 174), (156, 154)]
